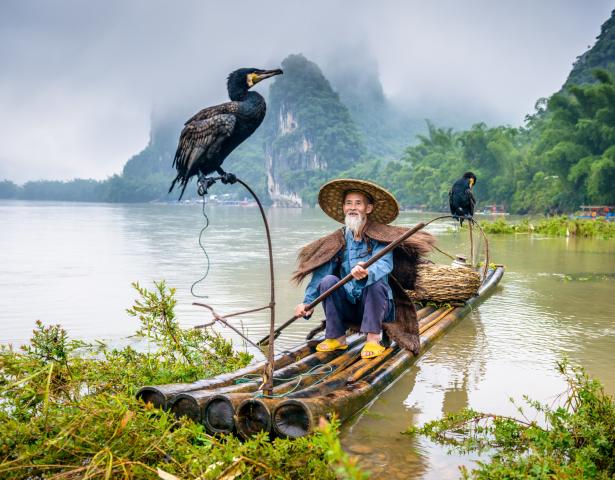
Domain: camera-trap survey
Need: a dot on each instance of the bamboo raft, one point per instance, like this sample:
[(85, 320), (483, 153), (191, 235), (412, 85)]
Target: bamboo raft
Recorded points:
[(308, 385)]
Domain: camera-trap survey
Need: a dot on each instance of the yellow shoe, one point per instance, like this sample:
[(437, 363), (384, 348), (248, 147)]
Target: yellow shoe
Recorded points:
[(372, 350), (330, 344)]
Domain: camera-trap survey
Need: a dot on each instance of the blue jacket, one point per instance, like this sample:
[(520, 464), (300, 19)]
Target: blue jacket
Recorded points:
[(341, 265)]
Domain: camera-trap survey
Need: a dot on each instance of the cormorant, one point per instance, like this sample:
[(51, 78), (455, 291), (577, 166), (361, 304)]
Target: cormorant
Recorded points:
[(461, 198), (214, 132)]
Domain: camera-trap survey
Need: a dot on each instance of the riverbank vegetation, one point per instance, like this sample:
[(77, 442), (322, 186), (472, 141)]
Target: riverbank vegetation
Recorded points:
[(574, 439), (556, 226), (562, 158), (68, 410)]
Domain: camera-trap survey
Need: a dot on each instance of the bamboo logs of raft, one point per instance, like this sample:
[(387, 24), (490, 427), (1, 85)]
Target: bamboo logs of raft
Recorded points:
[(162, 396), (307, 384)]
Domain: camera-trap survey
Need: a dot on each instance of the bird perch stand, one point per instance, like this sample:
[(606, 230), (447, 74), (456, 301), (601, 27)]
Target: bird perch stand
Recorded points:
[(204, 184)]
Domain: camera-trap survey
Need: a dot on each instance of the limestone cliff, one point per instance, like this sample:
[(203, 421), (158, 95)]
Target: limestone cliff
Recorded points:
[(309, 134)]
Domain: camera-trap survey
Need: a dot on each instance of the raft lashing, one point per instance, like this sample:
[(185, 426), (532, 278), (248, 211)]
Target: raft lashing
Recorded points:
[(308, 385)]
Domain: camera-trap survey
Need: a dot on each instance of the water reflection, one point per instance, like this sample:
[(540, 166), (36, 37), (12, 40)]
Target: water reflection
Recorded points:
[(375, 435)]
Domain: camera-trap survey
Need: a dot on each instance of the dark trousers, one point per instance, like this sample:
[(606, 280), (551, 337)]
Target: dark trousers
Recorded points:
[(368, 313)]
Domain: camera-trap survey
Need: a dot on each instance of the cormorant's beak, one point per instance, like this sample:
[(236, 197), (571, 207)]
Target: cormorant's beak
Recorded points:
[(266, 74)]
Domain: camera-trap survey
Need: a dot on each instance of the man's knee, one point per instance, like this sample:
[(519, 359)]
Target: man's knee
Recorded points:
[(327, 282), (378, 288)]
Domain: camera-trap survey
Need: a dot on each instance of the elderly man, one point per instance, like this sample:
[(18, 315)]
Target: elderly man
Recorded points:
[(374, 298)]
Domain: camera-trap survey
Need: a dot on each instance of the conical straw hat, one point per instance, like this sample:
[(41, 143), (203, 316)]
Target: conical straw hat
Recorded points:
[(331, 198)]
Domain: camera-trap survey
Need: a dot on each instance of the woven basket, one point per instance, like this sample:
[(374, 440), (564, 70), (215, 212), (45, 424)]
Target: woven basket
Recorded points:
[(443, 283)]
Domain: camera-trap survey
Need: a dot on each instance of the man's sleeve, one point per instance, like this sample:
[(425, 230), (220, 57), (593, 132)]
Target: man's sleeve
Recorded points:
[(311, 292), (381, 268)]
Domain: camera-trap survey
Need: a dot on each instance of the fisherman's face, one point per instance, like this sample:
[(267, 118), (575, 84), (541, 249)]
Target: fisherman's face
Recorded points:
[(357, 205)]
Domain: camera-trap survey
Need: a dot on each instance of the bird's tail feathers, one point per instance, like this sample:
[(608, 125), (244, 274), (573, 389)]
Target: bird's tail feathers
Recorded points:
[(173, 184), (185, 184), (182, 182)]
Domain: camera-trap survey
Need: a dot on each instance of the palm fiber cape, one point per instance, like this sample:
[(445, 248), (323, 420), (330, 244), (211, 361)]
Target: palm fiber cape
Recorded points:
[(404, 329)]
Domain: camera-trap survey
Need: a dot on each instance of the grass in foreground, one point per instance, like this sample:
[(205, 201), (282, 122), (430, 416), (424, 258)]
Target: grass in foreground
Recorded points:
[(574, 441), (67, 410), (556, 226)]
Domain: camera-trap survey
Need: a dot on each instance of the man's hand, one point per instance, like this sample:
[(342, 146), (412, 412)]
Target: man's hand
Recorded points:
[(300, 311), (358, 272)]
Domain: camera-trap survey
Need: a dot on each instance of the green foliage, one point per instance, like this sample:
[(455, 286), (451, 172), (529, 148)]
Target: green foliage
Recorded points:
[(192, 349), (501, 226), (556, 226), (573, 440), (562, 158), (68, 410)]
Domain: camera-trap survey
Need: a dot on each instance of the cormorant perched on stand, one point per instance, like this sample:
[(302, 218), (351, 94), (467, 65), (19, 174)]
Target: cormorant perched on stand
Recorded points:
[(461, 198), (213, 133)]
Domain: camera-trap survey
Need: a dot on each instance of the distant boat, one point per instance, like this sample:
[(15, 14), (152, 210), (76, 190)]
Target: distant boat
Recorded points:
[(493, 209), (592, 212)]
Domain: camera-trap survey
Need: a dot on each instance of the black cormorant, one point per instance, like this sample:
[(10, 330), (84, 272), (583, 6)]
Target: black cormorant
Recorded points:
[(461, 198), (213, 133)]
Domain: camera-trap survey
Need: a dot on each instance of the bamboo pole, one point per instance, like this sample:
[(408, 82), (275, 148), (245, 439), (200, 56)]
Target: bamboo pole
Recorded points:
[(254, 415), (443, 312)]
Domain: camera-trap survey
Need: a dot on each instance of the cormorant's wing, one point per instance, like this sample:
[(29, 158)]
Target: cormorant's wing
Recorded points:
[(209, 112), (201, 138)]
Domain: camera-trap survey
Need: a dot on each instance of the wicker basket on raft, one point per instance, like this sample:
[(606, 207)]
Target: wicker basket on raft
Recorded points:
[(444, 283)]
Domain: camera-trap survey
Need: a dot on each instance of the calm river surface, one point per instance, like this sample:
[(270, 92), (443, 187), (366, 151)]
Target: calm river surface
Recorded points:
[(73, 264)]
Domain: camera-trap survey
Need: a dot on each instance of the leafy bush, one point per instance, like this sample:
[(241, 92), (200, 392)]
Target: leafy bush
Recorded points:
[(68, 409), (557, 226)]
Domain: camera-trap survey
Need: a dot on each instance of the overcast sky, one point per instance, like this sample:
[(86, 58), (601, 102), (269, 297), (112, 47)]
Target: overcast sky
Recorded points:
[(79, 78)]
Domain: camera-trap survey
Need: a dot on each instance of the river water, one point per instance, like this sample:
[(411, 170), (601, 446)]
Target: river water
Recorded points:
[(73, 264)]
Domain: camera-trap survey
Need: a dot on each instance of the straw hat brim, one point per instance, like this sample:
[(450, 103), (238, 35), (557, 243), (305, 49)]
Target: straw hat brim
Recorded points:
[(331, 198)]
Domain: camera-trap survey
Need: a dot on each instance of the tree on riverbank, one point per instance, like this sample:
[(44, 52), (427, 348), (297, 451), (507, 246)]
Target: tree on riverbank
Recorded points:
[(563, 157)]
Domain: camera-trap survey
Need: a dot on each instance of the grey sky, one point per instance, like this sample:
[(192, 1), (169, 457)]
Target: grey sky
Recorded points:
[(79, 78)]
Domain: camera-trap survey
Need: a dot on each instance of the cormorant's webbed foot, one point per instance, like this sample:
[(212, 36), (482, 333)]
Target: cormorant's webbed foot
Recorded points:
[(228, 178), (204, 183)]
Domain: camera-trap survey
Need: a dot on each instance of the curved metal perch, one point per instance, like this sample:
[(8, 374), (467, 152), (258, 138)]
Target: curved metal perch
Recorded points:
[(204, 184)]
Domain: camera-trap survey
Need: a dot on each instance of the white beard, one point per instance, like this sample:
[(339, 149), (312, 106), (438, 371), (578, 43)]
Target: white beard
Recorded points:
[(355, 223)]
